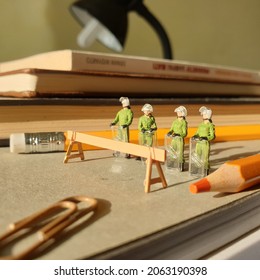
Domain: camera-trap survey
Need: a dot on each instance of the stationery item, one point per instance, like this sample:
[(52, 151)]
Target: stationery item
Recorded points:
[(40, 142), (47, 142), (233, 176), (98, 74), (73, 60), (32, 83), (18, 145), (57, 218)]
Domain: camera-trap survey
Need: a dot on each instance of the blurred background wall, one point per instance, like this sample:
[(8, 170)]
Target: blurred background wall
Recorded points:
[(224, 32)]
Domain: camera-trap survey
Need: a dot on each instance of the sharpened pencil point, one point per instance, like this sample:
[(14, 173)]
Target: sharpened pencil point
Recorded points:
[(202, 185)]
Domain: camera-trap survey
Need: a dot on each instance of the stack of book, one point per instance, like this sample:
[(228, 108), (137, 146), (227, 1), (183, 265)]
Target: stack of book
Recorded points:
[(77, 73), (196, 225)]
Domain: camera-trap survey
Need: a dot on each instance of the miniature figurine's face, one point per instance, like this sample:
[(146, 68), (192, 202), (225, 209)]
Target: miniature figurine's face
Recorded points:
[(147, 113), (125, 104), (205, 116), (179, 114)]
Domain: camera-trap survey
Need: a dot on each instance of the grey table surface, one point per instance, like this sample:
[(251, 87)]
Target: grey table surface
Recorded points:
[(30, 182)]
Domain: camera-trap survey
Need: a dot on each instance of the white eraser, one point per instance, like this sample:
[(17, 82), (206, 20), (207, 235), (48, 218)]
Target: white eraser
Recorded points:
[(17, 143)]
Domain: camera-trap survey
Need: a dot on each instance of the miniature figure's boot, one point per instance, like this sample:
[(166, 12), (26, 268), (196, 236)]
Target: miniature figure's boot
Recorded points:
[(181, 166), (116, 154)]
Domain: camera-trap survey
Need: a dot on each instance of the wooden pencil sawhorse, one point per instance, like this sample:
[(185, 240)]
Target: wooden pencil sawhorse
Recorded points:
[(154, 155)]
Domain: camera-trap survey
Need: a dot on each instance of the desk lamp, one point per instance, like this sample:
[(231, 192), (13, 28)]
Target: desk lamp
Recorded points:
[(106, 21)]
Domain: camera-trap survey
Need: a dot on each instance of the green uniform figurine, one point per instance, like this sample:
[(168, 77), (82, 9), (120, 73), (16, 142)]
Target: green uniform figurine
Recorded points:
[(205, 133), (147, 126), (124, 119), (178, 132)]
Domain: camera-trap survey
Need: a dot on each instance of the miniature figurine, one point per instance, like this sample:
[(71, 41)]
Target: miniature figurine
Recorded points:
[(124, 119), (147, 126), (199, 156), (174, 140)]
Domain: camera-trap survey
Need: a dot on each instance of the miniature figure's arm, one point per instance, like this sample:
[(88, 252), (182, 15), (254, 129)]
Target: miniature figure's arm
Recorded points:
[(211, 135), (196, 135), (140, 125), (154, 125), (184, 130), (116, 120), (179, 129), (170, 132), (130, 117)]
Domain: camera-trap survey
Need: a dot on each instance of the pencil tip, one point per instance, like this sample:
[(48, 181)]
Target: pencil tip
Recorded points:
[(202, 185)]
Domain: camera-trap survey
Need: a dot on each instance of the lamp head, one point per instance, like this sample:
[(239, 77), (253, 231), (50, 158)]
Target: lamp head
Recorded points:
[(104, 20)]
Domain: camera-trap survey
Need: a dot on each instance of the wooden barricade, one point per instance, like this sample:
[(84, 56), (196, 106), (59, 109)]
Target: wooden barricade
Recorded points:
[(153, 155)]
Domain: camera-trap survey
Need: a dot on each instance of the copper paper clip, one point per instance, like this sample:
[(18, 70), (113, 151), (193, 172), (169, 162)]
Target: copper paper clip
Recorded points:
[(48, 223)]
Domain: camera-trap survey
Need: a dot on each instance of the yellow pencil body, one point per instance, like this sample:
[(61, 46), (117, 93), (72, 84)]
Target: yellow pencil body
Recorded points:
[(233, 176)]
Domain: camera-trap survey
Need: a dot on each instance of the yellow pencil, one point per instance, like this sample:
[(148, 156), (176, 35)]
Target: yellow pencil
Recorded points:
[(233, 176)]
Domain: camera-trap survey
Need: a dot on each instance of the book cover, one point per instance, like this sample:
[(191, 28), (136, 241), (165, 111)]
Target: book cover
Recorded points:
[(72, 60), (35, 82)]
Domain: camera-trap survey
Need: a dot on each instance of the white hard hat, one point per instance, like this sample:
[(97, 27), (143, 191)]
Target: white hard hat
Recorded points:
[(147, 107), (182, 110), (206, 112), (202, 109), (125, 101)]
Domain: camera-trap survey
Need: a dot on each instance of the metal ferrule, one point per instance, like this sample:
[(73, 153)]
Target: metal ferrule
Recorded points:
[(44, 142)]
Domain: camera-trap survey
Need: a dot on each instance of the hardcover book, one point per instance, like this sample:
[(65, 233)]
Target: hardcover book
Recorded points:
[(96, 74)]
